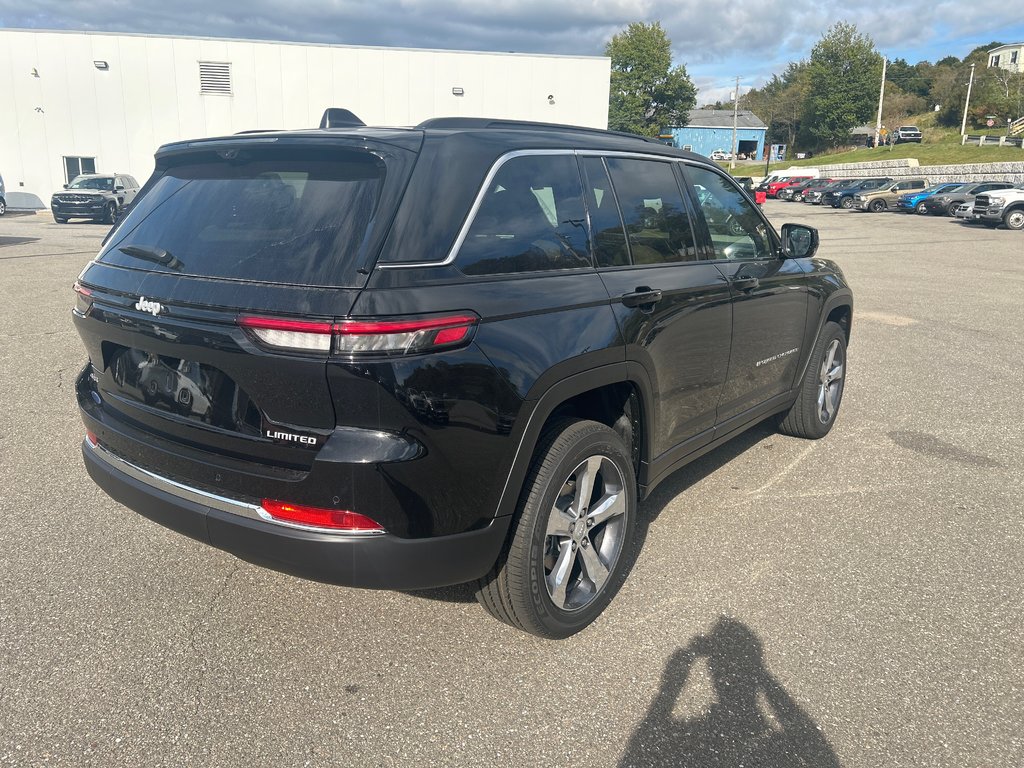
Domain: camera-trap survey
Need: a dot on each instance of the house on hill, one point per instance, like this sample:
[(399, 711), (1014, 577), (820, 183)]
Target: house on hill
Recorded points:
[(1008, 57), (711, 129)]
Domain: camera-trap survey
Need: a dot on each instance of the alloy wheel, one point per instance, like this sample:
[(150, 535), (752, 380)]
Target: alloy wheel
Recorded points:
[(585, 533), (830, 388)]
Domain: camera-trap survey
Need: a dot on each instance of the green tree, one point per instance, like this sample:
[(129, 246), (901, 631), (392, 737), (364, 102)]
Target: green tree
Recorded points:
[(844, 73), (647, 92)]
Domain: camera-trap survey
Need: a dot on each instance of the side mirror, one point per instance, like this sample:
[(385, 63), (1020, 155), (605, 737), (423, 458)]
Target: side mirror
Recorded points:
[(65, 186), (119, 188), (799, 241)]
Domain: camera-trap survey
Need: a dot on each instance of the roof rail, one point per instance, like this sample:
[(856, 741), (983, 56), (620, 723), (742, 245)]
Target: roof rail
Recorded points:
[(478, 123), (257, 130), (336, 117)]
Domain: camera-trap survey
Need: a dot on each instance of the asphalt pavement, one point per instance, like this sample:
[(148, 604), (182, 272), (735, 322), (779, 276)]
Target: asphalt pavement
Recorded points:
[(856, 601)]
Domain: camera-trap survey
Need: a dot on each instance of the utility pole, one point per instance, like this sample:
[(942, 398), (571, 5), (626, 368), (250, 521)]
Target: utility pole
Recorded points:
[(735, 118), (881, 98), (967, 103)]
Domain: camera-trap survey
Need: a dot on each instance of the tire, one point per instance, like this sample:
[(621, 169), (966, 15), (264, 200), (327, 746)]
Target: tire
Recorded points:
[(523, 589), (846, 203), (821, 392), (877, 205), (1014, 219), (921, 209), (3, 206), (951, 209), (736, 228), (110, 213)]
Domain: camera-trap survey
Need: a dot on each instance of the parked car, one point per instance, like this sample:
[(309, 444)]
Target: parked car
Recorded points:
[(95, 196), (883, 198), (1003, 207), (843, 198), (946, 203), (3, 197), (906, 134), (776, 186), (456, 379), (964, 211), (913, 202), (721, 154), (814, 194), (795, 192)]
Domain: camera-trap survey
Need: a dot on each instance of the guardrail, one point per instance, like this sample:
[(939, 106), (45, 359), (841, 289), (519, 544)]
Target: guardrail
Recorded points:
[(991, 141)]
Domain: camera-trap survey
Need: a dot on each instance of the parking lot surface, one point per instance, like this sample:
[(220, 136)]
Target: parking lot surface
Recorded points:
[(856, 601)]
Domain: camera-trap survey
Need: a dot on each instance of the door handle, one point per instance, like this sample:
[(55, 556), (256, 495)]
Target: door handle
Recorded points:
[(642, 296), (744, 283)]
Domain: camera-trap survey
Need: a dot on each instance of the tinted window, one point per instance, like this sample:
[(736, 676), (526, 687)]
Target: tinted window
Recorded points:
[(273, 215), (657, 224), (530, 219), (609, 238), (737, 231)]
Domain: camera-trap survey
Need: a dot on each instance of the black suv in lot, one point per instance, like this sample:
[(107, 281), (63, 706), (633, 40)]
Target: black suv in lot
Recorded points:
[(460, 352), (96, 196)]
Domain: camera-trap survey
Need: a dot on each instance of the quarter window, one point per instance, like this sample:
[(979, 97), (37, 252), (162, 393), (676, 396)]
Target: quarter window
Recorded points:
[(737, 231), (657, 224), (530, 219)]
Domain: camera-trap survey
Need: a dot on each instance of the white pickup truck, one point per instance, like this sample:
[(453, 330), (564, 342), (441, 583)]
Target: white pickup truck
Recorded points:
[(1004, 206)]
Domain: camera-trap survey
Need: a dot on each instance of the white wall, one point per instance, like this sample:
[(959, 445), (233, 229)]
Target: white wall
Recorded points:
[(150, 94)]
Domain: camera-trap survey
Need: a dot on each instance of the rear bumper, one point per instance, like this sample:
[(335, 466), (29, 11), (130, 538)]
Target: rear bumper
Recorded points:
[(380, 561)]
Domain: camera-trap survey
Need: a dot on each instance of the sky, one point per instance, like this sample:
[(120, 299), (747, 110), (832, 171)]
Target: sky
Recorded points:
[(716, 42)]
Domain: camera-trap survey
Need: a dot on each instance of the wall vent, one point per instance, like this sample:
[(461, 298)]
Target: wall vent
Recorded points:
[(215, 77)]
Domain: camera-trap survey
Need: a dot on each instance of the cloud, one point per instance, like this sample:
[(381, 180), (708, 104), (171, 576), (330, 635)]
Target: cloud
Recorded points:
[(715, 41)]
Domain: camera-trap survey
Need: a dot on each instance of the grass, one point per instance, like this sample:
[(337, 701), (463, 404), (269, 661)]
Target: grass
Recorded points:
[(941, 146)]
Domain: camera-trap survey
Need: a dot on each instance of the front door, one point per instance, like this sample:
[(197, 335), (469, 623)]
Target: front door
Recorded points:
[(769, 306)]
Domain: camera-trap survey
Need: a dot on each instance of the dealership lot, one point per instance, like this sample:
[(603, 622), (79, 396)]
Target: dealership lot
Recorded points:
[(856, 601)]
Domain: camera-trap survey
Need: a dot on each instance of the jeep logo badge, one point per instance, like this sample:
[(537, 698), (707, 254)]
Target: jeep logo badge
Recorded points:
[(153, 307)]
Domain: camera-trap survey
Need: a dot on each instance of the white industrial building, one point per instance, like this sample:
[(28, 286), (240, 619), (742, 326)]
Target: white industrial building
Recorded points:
[(77, 101)]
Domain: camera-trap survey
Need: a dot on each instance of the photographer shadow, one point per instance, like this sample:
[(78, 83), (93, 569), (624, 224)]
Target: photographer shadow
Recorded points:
[(752, 721)]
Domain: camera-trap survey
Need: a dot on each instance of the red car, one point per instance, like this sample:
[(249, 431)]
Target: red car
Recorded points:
[(775, 186)]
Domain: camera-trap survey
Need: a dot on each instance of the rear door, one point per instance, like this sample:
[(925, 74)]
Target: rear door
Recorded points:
[(769, 294), (672, 308)]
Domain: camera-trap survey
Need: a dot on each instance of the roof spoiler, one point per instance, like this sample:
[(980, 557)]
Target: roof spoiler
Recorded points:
[(336, 117)]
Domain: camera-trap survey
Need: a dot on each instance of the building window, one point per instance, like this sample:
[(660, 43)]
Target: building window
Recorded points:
[(1013, 57), (215, 77), (994, 62), (76, 166)]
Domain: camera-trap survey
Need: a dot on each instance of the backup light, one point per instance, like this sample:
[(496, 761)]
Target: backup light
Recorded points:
[(316, 517)]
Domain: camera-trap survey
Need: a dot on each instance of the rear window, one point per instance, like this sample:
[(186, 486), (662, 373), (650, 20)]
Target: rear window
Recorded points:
[(278, 215)]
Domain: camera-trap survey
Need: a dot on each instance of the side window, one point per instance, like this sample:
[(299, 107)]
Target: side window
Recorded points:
[(609, 237), (657, 224), (737, 231), (530, 219)]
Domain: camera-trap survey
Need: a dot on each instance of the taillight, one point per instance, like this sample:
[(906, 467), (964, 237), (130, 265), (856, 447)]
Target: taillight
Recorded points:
[(398, 336), (91, 437), (341, 520), (83, 298)]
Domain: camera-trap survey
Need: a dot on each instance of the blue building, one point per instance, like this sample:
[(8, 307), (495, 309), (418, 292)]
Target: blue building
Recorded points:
[(711, 129)]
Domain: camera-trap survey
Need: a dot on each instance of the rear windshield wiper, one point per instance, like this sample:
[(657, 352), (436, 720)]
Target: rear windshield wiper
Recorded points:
[(152, 253)]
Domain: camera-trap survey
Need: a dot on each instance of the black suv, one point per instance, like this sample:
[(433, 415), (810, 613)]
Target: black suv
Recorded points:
[(96, 196), (464, 351), (842, 197)]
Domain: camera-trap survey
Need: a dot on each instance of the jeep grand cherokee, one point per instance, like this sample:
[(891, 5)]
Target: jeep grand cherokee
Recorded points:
[(460, 352)]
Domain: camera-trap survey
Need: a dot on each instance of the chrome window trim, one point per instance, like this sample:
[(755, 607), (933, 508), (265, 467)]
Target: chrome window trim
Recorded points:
[(482, 193), (205, 498)]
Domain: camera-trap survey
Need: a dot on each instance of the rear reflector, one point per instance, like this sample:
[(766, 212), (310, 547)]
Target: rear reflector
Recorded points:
[(364, 337), (335, 519)]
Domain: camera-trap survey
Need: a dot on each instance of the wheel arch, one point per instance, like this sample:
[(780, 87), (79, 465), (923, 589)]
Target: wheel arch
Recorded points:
[(617, 396)]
